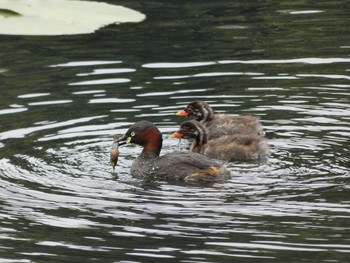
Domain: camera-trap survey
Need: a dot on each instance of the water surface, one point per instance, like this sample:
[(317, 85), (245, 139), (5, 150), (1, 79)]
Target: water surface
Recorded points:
[(63, 98)]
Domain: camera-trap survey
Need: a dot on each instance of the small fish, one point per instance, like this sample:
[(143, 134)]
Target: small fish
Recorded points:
[(114, 152)]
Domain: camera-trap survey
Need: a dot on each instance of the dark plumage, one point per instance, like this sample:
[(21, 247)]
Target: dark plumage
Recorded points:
[(221, 124), (180, 166), (234, 147)]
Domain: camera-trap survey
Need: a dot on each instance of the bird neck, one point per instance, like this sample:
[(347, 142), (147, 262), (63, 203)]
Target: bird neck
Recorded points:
[(153, 143), (202, 135), (207, 113)]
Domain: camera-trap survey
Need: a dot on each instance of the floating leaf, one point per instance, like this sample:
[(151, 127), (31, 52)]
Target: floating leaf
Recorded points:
[(61, 17)]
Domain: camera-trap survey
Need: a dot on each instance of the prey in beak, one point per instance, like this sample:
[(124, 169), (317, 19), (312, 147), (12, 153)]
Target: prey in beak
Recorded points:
[(115, 151)]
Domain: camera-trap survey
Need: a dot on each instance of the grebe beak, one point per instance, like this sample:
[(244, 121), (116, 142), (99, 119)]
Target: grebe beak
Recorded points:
[(123, 140)]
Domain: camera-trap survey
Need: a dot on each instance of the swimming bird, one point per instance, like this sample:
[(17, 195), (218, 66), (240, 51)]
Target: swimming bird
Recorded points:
[(221, 124), (232, 147), (189, 167)]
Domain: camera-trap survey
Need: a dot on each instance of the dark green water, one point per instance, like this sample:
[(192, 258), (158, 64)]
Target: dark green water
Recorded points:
[(62, 99)]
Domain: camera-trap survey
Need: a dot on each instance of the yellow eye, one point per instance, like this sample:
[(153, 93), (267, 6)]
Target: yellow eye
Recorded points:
[(132, 134)]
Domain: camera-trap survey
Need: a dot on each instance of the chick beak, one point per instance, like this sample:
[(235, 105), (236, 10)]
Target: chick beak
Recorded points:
[(182, 113), (176, 134)]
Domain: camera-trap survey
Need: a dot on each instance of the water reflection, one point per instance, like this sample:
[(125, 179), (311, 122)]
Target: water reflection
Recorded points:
[(288, 61), (100, 82), (85, 63), (107, 71)]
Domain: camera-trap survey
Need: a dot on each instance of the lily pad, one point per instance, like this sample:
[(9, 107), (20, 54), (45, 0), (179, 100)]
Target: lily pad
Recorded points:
[(61, 17)]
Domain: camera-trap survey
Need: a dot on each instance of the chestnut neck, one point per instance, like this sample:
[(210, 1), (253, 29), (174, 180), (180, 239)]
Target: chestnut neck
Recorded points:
[(152, 143)]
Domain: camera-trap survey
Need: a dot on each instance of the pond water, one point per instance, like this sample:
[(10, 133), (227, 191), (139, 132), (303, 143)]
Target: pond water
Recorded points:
[(64, 97)]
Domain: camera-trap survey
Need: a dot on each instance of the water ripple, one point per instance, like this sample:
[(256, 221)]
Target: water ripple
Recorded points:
[(12, 110), (19, 133), (85, 63), (177, 65), (287, 61), (107, 71), (100, 82)]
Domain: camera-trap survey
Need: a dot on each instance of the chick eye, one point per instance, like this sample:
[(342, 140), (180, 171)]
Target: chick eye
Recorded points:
[(132, 134)]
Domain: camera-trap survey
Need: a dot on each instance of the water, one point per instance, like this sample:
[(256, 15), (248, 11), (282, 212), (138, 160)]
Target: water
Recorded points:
[(63, 98)]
